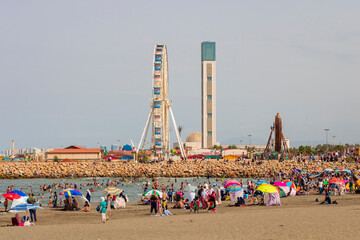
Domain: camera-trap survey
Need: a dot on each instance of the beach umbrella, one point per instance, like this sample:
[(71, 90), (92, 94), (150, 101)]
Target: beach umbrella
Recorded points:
[(234, 188), (290, 184), (230, 181), (285, 189), (328, 170), (281, 192), (334, 180), (113, 191), (267, 188), (24, 207), (280, 184), (20, 193), (70, 192), (230, 184), (259, 182), (11, 196), (151, 192)]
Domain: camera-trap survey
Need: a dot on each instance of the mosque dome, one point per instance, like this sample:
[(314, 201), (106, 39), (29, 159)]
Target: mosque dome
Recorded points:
[(194, 137)]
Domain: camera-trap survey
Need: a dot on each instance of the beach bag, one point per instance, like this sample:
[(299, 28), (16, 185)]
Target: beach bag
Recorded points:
[(98, 208)]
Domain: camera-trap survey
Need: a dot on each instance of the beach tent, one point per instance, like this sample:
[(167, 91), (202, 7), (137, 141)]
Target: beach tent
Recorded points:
[(127, 157), (230, 157), (212, 157)]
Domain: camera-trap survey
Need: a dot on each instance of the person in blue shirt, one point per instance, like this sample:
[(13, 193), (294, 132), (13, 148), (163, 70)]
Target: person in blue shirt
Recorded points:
[(102, 210)]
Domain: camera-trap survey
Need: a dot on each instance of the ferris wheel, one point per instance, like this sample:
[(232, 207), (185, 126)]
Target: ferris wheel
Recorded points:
[(160, 108)]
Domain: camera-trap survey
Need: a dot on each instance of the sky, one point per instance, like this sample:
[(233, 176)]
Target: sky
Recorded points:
[(80, 72)]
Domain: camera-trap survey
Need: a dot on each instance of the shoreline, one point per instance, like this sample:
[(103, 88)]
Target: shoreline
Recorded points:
[(298, 217), (177, 169)]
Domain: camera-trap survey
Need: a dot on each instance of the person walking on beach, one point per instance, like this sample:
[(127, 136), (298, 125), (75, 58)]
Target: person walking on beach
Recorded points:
[(55, 200), (102, 210), (31, 200), (153, 203)]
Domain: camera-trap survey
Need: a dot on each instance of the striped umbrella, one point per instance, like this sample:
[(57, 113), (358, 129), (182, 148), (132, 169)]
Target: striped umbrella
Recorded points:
[(151, 192), (70, 192), (112, 191), (230, 181), (234, 188)]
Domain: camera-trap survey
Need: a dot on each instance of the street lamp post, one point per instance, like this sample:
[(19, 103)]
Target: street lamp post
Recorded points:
[(334, 139), (250, 142), (327, 130)]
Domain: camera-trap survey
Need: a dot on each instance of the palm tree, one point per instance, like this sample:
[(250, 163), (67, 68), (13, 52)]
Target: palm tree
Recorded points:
[(180, 128)]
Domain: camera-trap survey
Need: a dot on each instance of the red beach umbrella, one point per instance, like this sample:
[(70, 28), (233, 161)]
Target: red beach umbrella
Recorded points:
[(11, 196)]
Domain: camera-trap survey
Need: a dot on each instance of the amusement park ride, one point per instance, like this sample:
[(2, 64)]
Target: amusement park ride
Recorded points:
[(160, 109), (280, 142)]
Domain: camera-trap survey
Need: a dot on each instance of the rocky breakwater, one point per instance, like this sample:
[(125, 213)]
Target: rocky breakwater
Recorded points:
[(189, 168)]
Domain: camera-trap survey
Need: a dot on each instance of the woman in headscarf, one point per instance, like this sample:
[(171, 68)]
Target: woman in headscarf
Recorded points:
[(203, 197), (212, 202)]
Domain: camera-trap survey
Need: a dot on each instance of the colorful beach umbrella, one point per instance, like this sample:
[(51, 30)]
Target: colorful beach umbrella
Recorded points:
[(113, 191), (267, 188), (259, 182), (234, 188), (151, 192), (281, 192), (20, 193), (280, 184), (11, 196), (230, 181), (290, 184), (24, 207), (334, 180), (70, 193)]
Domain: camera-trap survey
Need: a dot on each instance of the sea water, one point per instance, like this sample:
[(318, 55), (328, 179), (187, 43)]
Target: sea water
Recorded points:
[(132, 190)]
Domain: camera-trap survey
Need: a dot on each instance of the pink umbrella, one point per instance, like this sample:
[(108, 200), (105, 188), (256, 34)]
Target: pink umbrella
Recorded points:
[(280, 184), (230, 181), (232, 184)]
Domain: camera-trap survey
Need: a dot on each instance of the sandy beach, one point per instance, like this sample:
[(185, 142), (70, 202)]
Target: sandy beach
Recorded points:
[(299, 217)]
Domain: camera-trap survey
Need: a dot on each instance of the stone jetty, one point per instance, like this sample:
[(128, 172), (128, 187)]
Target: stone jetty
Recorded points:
[(189, 168)]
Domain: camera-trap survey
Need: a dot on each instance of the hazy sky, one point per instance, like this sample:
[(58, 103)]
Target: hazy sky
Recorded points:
[(80, 72)]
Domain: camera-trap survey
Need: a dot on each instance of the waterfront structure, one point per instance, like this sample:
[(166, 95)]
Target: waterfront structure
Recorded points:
[(73, 152), (208, 94), (160, 109), (193, 142)]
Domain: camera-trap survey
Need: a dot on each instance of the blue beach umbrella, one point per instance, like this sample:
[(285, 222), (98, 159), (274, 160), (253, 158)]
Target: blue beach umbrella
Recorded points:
[(24, 207), (70, 193), (234, 188), (259, 182), (18, 192)]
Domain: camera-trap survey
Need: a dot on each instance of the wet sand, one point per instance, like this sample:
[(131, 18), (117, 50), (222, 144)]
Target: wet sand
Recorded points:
[(299, 217)]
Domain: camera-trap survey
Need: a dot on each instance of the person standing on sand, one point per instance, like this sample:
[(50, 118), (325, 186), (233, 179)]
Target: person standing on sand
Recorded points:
[(31, 200), (102, 210), (108, 206), (55, 200)]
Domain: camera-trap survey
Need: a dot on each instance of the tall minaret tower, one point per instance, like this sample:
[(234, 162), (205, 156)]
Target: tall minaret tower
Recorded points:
[(208, 94)]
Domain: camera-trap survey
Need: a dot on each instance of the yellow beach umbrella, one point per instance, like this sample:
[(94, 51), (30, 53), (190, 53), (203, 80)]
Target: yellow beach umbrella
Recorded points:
[(113, 191), (267, 188)]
